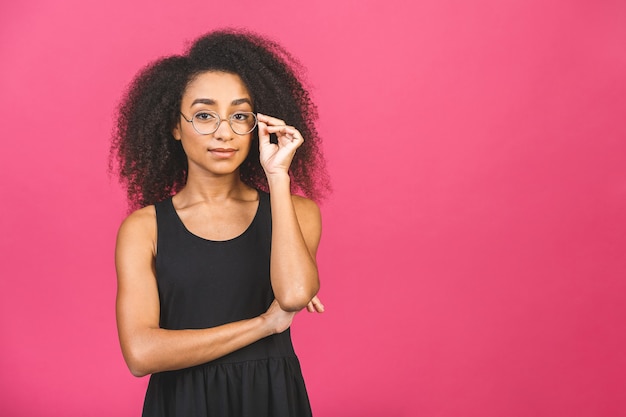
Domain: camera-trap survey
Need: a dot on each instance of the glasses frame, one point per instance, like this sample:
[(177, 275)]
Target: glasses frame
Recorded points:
[(220, 120)]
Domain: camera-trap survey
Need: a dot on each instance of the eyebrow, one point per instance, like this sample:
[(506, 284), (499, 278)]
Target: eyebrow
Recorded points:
[(211, 102), (241, 101)]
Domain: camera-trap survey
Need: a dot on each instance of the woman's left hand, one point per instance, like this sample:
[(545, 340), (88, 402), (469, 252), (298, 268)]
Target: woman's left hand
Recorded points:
[(276, 157), (315, 306)]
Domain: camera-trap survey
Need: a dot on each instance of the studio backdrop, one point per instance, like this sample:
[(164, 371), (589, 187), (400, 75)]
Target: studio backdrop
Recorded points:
[(473, 252)]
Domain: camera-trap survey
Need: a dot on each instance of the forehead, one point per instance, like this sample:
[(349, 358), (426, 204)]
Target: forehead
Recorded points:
[(218, 86)]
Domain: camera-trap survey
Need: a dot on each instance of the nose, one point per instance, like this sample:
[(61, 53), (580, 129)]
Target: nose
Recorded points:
[(223, 132)]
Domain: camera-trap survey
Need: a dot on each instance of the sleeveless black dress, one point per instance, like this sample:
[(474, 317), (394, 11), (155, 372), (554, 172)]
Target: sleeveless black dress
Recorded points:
[(203, 284)]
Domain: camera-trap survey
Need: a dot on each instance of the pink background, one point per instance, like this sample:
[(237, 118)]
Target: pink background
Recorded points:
[(473, 258)]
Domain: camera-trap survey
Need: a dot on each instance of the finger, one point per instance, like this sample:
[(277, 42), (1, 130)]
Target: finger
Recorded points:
[(317, 304), (270, 121), (284, 130), (264, 134), (286, 134), (310, 308)]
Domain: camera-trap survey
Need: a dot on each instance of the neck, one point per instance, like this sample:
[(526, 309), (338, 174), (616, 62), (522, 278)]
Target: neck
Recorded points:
[(212, 188)]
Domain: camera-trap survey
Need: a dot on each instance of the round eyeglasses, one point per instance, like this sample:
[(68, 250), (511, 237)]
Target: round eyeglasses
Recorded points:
[(206, 122)]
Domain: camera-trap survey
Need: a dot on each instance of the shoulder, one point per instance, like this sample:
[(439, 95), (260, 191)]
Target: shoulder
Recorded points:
[(139, 226), (309, 220), (305, 208), (140, 219)]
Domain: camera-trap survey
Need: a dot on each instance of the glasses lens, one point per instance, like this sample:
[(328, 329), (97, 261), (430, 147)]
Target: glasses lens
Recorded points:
[(206, 122), (243, 123)]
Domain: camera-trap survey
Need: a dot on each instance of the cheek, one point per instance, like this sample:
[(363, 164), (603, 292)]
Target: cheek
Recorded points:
[(247, 146), (191, 145), (183, 145)]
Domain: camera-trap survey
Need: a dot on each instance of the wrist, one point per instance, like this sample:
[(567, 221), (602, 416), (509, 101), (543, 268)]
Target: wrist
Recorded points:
[(264, 325), (278, 180)]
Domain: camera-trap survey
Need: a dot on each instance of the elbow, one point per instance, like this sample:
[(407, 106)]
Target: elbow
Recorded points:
[(292, 305), (137, 362), (137, 371), (296, 300)]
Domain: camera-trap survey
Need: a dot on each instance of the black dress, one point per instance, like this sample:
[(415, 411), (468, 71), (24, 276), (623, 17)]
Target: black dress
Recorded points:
[(203, 284)]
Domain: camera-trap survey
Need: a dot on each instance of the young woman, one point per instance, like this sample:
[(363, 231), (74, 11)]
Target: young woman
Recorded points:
[(221, 255)]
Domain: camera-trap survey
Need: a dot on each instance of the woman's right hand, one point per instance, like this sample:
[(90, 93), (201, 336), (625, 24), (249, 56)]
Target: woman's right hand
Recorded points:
[(276, 158), (277, 319)]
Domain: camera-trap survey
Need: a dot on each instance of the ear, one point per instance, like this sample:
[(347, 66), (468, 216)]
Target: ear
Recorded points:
[(177, 131)]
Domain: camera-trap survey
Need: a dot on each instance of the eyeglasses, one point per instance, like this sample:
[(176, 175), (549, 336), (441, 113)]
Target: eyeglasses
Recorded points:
[(206, 122)]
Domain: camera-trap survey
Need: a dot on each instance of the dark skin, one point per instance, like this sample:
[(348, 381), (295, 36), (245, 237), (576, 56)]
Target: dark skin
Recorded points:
[(215, 204)]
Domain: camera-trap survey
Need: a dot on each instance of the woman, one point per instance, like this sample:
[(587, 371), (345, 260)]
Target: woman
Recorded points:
[(214, 266)]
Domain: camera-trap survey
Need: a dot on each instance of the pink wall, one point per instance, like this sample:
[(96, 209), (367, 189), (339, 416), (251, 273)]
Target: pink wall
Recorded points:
[(473, 255)]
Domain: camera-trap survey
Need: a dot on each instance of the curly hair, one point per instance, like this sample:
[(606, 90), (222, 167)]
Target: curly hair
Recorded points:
[(153, 166)]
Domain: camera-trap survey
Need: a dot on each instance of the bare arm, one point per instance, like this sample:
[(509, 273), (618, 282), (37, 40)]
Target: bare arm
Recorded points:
[(146, 347), (296, 221), (296, 230)]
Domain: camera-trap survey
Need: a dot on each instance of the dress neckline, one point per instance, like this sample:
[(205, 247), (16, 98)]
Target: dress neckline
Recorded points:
[(189, 232)]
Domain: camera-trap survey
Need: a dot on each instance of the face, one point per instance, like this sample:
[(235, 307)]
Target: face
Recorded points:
[(223, 151)]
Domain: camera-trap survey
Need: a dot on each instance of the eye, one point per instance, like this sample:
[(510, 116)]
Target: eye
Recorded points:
[(205, 116), (241, 117)]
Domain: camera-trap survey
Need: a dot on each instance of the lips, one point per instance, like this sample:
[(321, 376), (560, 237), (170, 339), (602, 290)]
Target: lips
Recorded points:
[(223, 152)]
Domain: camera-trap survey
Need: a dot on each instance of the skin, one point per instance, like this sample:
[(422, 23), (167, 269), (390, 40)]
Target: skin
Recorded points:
[(215, 204)]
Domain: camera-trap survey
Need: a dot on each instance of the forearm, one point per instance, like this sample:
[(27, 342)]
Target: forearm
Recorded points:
[(293, 268), (153, 350)]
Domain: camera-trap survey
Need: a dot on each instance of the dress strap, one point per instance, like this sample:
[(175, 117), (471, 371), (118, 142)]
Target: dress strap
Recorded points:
[(166, 221)]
